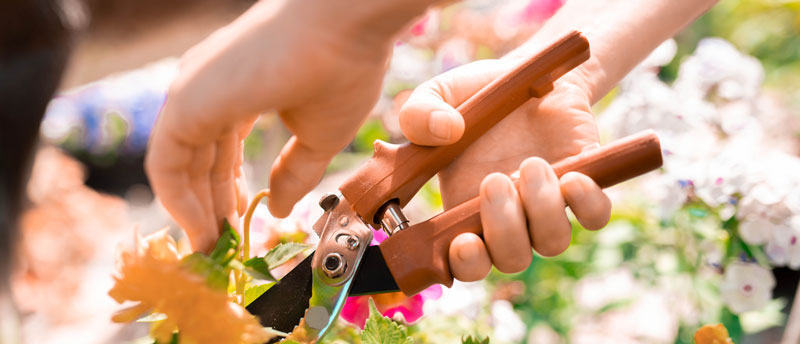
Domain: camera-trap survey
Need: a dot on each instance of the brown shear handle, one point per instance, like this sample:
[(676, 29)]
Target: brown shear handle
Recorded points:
[(398, 172), (418, 256)]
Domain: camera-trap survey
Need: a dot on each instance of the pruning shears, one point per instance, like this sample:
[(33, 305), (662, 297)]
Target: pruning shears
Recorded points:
[(307, 301)]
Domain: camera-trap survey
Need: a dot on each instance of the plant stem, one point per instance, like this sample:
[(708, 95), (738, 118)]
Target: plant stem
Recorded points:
[(251, 208), (247, 217)]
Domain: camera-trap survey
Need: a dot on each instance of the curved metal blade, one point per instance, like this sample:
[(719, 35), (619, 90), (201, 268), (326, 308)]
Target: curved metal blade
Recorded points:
[(284, 304), (373, 276)]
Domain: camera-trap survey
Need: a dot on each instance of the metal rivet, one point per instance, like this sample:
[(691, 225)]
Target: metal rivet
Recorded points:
[(344, 220), (329, 202), (317, 317)]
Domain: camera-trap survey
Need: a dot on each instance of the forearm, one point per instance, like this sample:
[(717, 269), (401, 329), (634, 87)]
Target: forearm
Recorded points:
[(620, 33), (246, 53), (368, 22)]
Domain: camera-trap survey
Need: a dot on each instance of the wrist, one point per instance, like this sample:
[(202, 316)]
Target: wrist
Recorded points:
[(621, 34)]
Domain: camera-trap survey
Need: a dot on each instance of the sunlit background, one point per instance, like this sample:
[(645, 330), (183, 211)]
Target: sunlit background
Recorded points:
[(685, 246)]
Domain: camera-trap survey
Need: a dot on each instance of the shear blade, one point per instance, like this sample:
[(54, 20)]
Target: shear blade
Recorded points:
[(283, 305)]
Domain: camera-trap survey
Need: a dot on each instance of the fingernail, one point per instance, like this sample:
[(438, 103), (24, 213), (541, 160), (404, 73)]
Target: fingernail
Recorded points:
[(532, 174), (439, 124), (467, 252), (575, 189), (498, 193)]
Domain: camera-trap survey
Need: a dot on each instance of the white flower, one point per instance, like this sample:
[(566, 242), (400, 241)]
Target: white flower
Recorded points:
[(594, 292), (453, 53), (662, 55), (463, 298), (717, 65), (651, 318), (757, 231), (784, 245), (667, 193), (747, 287), (543, 334), (410, 64), (724, 176), (771, 188), (508, 327)]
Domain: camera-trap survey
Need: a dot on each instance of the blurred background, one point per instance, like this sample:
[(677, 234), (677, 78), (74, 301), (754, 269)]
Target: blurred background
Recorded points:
[(685, 247)]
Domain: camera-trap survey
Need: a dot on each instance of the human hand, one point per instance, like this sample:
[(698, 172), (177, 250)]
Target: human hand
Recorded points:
[(621, 34), (541, 131), (319, 65)]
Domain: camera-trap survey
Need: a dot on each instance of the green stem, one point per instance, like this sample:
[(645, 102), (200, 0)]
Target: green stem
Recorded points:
[(240, 276)]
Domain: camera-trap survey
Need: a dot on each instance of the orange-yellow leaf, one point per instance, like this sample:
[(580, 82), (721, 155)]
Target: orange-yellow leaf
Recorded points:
[(152, 275), (712, 334)]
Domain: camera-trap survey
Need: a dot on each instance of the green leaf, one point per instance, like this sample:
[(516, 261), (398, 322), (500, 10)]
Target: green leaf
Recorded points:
[(227, 245), (369, 132), (253, 291), (474, 340), (382, 330), (173, 340), (768, 316), (732, 323), (258, 268), (215, 274), (282, 253)]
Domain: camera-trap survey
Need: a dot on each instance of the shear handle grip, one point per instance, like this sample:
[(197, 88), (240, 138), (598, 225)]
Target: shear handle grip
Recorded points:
[(398, 172), (418, 256)]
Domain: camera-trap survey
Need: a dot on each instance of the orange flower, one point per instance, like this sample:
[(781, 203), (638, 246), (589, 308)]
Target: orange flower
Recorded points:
[(712, 334), (152, 275)]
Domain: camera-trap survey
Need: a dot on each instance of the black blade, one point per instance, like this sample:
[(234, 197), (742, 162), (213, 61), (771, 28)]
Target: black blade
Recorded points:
[(284, 304), (373, 276)]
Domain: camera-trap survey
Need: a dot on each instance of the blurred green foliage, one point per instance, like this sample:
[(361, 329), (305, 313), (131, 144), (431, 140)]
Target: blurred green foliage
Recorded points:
[(371, 130), (766, 29)]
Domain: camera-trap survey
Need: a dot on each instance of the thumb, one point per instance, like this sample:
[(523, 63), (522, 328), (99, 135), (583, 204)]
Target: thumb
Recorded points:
[(296, 171), (429, 116)]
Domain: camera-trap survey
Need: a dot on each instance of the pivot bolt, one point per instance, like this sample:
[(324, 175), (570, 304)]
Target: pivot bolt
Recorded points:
[(334, 265)]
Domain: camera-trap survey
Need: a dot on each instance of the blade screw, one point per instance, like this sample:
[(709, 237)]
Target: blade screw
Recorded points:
[(334, 265), (352, 242), (349, 241), (344, 221)]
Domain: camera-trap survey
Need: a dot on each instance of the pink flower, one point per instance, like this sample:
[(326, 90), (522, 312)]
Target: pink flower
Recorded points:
[(356, 308), (419, 28), (539, 10)]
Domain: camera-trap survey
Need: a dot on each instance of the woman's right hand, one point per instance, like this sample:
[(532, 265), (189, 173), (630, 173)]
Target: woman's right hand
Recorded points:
[(318, 64)]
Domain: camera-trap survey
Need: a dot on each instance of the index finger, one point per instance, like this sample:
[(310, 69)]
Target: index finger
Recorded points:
[(429, 116), (167, 165)]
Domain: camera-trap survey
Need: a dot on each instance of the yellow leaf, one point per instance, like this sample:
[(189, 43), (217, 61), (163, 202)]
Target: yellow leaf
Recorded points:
[(712, 334), (152, 275)]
